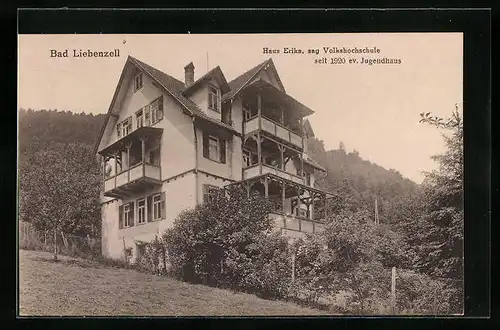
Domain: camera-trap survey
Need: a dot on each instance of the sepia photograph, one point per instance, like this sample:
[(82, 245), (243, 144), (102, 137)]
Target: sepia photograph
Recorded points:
[(300, 174)]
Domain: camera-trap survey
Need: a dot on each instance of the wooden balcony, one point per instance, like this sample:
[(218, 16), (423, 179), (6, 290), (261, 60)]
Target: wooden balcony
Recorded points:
[(274, 129), (260, 169), (294, 226), (132, 181)]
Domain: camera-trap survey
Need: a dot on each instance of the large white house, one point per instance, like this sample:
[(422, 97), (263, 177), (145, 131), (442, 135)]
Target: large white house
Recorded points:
[(166, 144)]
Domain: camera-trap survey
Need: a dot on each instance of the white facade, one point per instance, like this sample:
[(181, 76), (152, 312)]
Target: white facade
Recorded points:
[(183, 166)]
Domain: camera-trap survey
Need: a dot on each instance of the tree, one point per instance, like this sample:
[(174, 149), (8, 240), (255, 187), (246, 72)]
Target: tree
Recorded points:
[(59, 189), (342, 147), (438, 234)]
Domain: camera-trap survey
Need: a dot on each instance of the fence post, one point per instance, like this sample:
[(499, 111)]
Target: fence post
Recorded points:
[(293, 266), (393, 290)]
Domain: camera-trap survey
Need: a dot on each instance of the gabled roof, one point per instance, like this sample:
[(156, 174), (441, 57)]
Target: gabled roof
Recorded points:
[(215, 73), (171, 85), (243, 80)]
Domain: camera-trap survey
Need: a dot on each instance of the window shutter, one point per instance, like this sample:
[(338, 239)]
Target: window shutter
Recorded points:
[(160, 108), (162, 206), (149, 208), (130, 123), (205, 145), (131, 214), (120, 217), (222, 151)]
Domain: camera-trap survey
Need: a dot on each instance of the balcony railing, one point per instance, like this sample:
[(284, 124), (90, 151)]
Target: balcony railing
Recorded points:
[(273, 128), (132, 180), (292, 224), (260, 169)]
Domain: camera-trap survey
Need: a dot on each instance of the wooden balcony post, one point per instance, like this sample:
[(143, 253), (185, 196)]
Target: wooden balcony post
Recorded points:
[(259, 104), (259, 152), (283, 197), (259, 109), (282, 150), (115, 157), (128, 146), (143, 149), (302, 166), (298, 208)]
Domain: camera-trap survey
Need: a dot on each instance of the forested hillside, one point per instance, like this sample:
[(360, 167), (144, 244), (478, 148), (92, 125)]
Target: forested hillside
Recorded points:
[(358, 182), (52, 126), (420, 229)]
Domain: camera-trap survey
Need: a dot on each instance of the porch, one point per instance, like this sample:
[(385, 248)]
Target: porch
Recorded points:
[(268, 110), (131, 165), (295, 206)]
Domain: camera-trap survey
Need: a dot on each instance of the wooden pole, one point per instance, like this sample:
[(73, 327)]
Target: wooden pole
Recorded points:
[(64, 240), (293, 266), (393, 290), (55, 244)]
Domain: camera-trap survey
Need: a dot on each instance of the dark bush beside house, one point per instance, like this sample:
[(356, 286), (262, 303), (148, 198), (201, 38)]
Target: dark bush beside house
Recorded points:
[(228, 242)]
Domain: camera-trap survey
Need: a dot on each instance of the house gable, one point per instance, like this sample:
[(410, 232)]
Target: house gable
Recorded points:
[(270, 75)]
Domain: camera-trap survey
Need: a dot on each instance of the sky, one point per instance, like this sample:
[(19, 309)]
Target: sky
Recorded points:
[(371, 108)]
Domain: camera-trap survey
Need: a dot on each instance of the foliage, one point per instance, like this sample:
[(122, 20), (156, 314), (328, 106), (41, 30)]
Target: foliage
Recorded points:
[(437, 235), (46, 127), (352, 255), (227, 242), (59, 189), (421, 294)]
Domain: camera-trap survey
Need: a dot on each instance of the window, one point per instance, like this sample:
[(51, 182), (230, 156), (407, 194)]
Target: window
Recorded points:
[(157, 207), (141, 211), (246, 114), (124, 127), (139, 118), (154, 157), (147, 116), (208, 192), (247, 158), (156, 109), (127, 214), (307, 176), (138, 82), (214, 148), (213, 98)]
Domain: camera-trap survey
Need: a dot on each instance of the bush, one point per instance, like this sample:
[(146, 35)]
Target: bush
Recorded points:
[(227, 242), (420, 294)]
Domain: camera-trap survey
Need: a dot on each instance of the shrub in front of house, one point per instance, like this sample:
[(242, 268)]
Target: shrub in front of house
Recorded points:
[(228, 242)]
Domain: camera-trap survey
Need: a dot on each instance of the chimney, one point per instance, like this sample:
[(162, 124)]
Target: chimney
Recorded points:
[(189, 74)]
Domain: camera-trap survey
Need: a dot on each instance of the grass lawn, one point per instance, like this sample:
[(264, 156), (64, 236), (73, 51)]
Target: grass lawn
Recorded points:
[(73, 287)]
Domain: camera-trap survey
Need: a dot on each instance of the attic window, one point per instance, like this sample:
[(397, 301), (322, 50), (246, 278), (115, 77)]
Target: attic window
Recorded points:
[(137, 82), (213, 98)]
